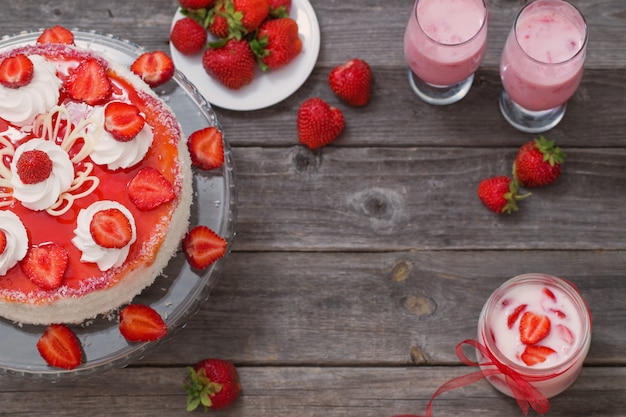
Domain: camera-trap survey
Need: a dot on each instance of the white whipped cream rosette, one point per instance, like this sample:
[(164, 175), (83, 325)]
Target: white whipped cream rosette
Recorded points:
[(17, 240), (114, 153), (105, 258), (21, 105), (44, 194)]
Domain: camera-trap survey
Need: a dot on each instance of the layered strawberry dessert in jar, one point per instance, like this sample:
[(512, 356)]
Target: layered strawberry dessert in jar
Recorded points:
[(537, 328)]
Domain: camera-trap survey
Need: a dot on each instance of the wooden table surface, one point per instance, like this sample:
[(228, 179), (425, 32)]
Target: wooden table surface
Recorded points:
[(357, 268)]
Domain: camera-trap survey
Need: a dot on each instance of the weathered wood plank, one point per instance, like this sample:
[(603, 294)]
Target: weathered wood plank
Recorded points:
[(307, 392), (378, 199), (373, 309)]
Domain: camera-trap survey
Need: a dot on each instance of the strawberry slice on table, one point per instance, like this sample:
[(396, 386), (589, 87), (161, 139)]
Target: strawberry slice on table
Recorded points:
[(16, 71), (88, 82), (123, 120), (202, 247), (56, 34), (206, 148), (111, 229), (155, 68), (533, 327), (536, 354), (149, 189), (59, 347), (45, 265), (141, 323)]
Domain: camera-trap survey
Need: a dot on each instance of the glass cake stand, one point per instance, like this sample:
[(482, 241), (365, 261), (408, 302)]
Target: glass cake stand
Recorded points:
[(175, 294)]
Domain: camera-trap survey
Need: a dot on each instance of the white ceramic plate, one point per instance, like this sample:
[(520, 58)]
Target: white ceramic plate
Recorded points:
[(178, 291), (267, 88)]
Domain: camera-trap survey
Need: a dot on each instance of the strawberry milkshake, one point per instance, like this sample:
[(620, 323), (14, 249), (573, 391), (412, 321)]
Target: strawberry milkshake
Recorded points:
[(444, 43), (539, 328), (542, 64)]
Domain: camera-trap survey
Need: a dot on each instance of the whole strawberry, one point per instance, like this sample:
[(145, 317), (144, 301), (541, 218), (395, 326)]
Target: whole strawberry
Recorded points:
[(232, 64), (188, 36), (538, 163), (195, 4), (279, 8), (214, 383), (500, 194), (254, 13), (352, 82), (277, 43), (318, 123)]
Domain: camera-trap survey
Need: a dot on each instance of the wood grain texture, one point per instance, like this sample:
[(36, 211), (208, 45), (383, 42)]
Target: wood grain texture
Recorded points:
[(357, 268)]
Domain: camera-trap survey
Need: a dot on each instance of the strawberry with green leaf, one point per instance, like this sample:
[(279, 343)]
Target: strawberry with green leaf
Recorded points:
[(500, 194), (538, 163), (277, 43), (212, 383)]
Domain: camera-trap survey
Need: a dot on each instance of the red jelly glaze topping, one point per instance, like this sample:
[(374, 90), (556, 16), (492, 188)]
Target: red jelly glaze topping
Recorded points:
[(80, 277)]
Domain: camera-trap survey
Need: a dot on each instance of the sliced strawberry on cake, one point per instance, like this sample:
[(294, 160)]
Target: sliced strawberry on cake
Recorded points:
[(149, 189), (16, 71), (45, 265), (89, 82), (155, 68), (123, 120), (56, 34), (111, 229)]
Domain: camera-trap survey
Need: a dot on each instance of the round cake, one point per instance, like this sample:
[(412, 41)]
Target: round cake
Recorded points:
[(95, 186)]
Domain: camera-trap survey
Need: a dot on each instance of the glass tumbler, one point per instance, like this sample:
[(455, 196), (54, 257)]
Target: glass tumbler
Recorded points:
[(542, 64), (444, 44)]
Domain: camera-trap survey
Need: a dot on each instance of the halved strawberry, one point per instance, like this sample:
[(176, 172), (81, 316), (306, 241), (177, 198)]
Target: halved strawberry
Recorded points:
[(141, 323), (550, 294), (59, 347), (3, 242), (89, 82), (33, 166), (16, 71), (203, 246), (123, 120), (155, 68), (565, 334), (149, 189), (56, 34), (536, 354), (206, 148), (45, 265), (533, 328), (111, 229), (515, 315)]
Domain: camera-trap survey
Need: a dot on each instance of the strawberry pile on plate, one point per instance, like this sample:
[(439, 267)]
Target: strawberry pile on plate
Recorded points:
[(245, 34)]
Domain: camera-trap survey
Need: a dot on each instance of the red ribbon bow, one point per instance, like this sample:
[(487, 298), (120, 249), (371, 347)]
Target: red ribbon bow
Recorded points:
[(526, 395)]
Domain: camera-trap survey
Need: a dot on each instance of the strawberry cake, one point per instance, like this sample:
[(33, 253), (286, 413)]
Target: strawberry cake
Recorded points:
[(95, 184)]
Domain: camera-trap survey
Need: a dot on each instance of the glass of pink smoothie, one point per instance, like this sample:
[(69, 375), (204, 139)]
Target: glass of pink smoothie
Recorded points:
[(542, 64), (538, 328), (444, 44)]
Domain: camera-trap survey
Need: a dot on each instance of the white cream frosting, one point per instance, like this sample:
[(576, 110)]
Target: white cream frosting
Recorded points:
[(42, 195), (113, 153), (105, 258), (17, 240), (21, 105)]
